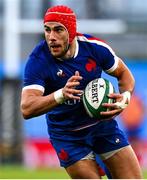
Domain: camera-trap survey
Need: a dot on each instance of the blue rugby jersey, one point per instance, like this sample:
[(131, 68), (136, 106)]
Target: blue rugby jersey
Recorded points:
[(45, 73)]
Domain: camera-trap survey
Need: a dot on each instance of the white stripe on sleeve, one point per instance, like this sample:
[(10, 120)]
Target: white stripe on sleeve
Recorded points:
[(34, 86), (114, 66)]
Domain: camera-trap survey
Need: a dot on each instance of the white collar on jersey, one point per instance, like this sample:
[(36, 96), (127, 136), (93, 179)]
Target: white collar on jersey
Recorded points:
[(77, 49)]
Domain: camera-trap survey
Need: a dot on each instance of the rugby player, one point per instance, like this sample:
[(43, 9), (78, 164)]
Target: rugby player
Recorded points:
[(57, 71)]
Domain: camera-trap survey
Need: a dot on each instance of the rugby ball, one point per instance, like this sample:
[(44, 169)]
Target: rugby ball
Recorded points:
[(95, 94)]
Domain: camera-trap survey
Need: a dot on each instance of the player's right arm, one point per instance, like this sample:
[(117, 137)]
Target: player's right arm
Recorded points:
[(33, 103)]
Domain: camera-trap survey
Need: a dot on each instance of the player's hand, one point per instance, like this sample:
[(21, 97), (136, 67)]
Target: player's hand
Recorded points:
[(120, 102), (69, 90)]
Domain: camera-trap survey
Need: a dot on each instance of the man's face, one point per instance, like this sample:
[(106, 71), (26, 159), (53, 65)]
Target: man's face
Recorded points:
[(57, 38)]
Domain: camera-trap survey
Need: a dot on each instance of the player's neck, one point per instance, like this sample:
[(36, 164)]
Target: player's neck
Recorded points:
[(71, 51)]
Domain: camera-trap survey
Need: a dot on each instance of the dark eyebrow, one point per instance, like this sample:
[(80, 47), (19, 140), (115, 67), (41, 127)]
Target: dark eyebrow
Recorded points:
[(46, 26), (59, 26), (55, 27)]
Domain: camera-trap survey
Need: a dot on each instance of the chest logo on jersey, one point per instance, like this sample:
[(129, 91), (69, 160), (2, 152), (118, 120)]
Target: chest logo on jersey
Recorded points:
[(90, 65), (60, 73)]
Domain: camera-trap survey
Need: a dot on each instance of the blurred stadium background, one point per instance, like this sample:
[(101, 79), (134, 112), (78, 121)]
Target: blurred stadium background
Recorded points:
[(122, 23)]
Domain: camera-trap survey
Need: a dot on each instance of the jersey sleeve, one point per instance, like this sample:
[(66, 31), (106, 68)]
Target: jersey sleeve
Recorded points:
[(108, 58), (33, 77)]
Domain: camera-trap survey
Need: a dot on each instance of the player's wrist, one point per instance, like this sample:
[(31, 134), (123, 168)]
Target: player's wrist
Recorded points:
[(125, 101), (58, 96), (127, 96)]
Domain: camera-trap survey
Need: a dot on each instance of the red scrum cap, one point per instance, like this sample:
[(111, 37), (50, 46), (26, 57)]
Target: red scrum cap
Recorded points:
[(63, 15)]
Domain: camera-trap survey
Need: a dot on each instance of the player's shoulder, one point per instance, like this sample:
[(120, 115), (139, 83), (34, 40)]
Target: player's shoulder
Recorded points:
[(95, 42), (40, 50), (90, 39), (38, 56), (40, 47)]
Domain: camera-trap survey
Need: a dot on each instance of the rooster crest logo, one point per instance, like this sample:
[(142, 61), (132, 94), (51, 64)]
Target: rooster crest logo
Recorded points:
[(91, 65), (60, 73)]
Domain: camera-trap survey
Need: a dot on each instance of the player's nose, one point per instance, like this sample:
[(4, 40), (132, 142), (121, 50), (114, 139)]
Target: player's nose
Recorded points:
[(52, 35)]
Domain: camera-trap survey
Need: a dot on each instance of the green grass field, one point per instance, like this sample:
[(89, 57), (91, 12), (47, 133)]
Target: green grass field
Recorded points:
[(18, 172)]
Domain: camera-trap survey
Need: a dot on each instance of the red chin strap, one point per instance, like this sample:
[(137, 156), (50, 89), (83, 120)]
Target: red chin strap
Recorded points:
[(65, 16)]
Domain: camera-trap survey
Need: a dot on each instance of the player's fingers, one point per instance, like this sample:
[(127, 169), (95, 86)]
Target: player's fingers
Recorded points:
[(117, 105), (72, 96), (69, 95), (74, 91), (75, 78), (112, 112), (72, 84), (109, 105), (115, 95), (77, 73)]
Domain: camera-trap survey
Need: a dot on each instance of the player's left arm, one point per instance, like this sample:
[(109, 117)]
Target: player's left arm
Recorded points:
[(126, 83)]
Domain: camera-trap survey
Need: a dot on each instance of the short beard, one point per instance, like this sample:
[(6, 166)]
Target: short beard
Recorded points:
[(63, 53)]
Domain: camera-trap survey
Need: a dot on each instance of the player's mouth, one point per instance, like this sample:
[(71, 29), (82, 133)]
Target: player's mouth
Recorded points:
[(55, 48)]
